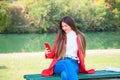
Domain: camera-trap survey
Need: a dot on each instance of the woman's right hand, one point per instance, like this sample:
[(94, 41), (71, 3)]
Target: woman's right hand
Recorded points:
[(47, 51)]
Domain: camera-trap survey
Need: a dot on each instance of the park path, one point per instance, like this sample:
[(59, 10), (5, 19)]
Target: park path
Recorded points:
[(22, 54)]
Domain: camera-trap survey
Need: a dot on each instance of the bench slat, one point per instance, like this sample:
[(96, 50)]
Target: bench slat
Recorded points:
[(97, 74)]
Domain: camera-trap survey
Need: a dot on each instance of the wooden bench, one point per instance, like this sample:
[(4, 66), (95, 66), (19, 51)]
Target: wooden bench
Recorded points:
[(99, 74)]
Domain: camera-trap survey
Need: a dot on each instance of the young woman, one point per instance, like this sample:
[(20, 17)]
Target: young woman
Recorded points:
[(68, 52)]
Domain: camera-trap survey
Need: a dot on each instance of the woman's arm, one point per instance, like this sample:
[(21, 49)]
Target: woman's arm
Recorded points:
[(52, 52)]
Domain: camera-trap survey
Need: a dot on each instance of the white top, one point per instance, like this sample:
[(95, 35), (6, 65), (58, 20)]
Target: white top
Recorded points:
[(71, 45)]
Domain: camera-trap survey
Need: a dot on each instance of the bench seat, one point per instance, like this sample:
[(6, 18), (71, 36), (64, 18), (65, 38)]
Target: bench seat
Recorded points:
[(99, 74)]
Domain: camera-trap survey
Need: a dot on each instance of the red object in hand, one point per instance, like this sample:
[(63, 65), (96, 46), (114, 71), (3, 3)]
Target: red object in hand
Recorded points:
[(47, 46)]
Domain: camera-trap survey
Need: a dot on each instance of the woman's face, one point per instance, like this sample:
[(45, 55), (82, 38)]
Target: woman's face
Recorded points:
[(66, 27)]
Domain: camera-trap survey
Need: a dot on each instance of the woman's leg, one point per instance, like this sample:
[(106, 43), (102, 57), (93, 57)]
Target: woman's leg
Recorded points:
[(61, 69), (64, 75), (67, 69), (73, 70)]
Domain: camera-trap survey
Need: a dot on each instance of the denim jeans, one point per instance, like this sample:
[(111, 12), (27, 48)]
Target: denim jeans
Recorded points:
[(67, 68)]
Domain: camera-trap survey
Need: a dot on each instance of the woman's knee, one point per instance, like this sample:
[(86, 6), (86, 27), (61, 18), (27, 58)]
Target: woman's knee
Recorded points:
[(64, 75), (59, 67)]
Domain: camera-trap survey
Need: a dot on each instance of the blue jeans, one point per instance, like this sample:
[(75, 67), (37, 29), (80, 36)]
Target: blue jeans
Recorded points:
[(67, 68)]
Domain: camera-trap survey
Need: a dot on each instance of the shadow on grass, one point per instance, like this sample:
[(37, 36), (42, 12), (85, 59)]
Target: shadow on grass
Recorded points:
[(3, 67)]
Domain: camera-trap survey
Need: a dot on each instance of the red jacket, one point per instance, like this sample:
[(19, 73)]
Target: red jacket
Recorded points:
[(49, 71)]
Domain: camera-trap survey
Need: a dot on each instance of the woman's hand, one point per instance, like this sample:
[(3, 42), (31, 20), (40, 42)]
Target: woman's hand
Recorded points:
[(47, 51)]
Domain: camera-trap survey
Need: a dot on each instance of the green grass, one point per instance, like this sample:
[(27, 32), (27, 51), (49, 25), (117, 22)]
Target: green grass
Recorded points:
[(14, 67), (35, 42)]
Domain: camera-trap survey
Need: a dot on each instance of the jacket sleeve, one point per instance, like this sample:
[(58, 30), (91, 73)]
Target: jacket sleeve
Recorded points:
[(51, 55)]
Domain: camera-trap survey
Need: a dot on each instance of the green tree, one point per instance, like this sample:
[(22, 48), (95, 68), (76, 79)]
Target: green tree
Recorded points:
[(4, 15), (44, 15)]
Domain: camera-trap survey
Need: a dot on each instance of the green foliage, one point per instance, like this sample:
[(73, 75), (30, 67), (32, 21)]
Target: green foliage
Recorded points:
[(11, 18), (89, 16), (44, 15), (116, 12), (4, 15)]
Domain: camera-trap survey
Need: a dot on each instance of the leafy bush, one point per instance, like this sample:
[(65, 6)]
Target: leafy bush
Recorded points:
[(18, 18), (89, 15), (44, 15), (116, 17), (11, 17), (4, 15)]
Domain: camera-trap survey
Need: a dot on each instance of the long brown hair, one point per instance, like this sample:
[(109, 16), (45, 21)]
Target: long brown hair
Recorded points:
[(61, 41)]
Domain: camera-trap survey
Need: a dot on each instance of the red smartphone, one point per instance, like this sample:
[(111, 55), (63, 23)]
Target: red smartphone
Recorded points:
[(47, 45)]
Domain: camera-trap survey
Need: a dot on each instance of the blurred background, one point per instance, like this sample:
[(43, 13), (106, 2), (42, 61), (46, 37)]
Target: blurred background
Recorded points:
[(26, 24)]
